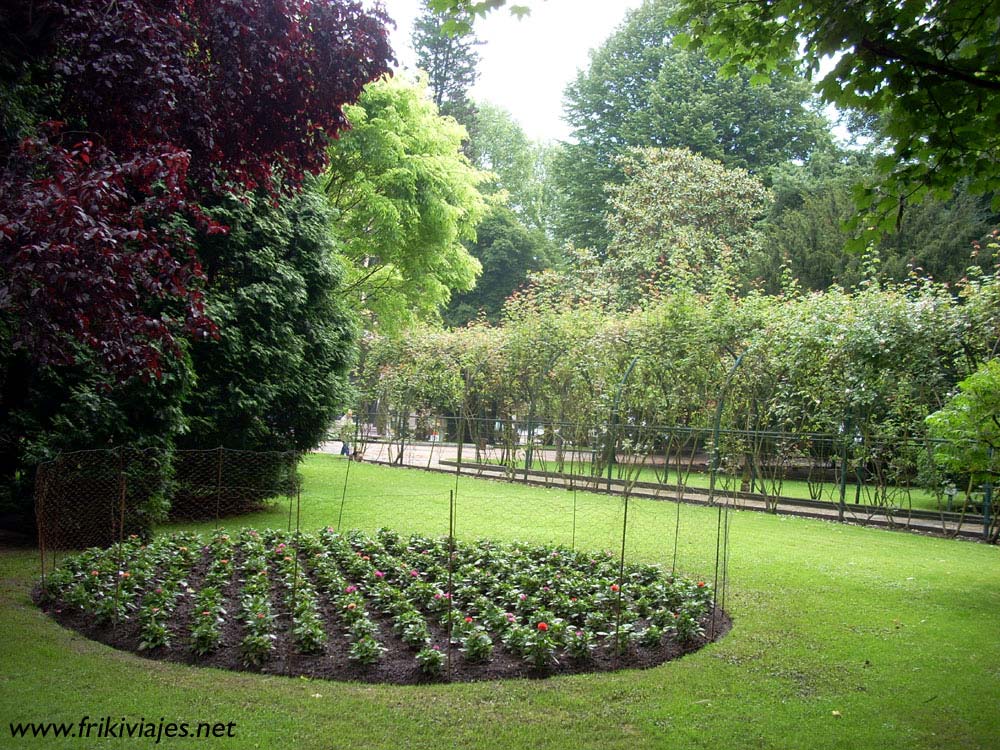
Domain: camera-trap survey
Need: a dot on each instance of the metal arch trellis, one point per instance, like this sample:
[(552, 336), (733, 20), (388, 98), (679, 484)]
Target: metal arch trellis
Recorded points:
[(722, 525)]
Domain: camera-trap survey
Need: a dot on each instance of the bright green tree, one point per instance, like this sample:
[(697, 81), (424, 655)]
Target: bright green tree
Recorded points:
[(969, 428), (405, 199)]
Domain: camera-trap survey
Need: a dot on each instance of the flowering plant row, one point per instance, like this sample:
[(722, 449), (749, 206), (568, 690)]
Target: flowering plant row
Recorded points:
[(541, 605)]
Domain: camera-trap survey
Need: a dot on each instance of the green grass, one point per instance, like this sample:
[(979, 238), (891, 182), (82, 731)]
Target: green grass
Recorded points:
[(898, 633)]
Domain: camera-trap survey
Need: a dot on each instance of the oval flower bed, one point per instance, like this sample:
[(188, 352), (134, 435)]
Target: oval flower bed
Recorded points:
[(381, 608)]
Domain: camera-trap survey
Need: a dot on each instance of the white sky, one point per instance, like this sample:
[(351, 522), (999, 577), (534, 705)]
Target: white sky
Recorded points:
[(525, 65)]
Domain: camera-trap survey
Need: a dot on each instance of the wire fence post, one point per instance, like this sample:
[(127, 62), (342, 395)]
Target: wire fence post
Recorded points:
[(987, 500), (451, 565), (621, 582), (41, 487), (121, 530), (343, 494), (842, 505), (218, 487)]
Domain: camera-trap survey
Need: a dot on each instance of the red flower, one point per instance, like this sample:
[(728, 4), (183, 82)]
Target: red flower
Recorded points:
[(614, 586), (700, 584), (543, 626), (468, 619)]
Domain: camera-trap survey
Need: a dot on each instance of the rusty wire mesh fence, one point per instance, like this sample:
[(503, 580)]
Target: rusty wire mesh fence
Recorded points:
[(96, 498)]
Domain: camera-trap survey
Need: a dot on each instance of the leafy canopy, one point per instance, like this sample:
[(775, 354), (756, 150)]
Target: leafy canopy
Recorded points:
[(682, 220), (517, 165), (641, 89), (927, 71), (405, 198), (969, 425), (461, 13), (508, 252)]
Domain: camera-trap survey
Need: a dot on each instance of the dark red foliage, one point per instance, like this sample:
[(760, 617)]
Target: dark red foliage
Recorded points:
[(169, 101), (95, 247), (247, 86)]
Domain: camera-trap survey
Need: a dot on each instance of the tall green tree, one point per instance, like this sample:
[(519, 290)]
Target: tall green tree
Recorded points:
[(405, 199), (808, 229), (518, 165), (926, 71), (447, 53), (641, 89), (277, 375), (508, 252)]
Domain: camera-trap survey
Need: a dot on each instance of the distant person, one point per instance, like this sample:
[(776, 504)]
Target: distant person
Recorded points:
[(346, 434)]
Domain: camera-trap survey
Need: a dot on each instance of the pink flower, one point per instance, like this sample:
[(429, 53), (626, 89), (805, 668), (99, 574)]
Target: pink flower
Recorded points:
[(414, 573), (468, 619), (522, 597), (379, 574), (350, 589)]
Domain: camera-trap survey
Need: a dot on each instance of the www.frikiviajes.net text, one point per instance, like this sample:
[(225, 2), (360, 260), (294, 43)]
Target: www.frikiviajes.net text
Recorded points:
[(107, 727)]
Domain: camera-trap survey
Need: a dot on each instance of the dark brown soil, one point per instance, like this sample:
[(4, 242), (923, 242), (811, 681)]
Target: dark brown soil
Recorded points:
[(396, 666)]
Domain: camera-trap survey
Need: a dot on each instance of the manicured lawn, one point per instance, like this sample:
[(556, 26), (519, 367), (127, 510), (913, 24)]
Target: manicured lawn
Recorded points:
[(898, 633)]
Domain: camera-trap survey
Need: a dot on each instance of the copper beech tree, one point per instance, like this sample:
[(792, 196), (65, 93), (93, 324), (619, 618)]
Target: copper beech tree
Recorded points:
[(128, 116)]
